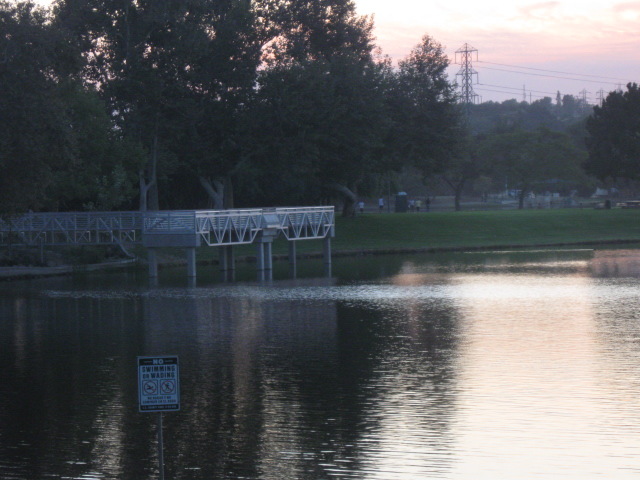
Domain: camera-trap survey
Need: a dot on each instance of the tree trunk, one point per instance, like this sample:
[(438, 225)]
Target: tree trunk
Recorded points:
[(144, 191), (458, 198), (215, 189), (148, 180), (228, 192), (457, 187), (349, 198), (521, 199)]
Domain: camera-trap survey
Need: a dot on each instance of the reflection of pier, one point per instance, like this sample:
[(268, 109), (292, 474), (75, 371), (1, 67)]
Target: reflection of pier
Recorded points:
[(186, 229)]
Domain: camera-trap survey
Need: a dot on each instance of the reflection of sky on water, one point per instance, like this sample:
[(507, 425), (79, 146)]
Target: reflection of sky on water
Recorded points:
[(508, 365)]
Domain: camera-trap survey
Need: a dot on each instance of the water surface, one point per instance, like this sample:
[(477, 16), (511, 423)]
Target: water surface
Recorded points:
[(461, 366)]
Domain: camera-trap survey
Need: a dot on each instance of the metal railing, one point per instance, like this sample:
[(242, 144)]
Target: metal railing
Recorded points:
[(229, 227), (73, 228), (215, 227), (306, 223)]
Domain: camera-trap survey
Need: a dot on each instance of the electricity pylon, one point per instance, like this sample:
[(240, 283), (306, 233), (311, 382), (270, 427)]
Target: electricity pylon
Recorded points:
[(464, 57)]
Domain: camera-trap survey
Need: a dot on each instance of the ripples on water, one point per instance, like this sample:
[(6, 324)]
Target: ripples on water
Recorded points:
[(499, 366)]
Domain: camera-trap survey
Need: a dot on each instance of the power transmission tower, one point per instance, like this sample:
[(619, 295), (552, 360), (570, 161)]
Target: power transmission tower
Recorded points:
[(464, 58), (600, 97), (583, 97)]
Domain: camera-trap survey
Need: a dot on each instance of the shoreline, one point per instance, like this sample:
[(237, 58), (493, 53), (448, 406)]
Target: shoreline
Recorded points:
[(32, 272)]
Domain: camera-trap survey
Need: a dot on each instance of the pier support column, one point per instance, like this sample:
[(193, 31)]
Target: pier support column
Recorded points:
[(191, 262), (326, 254), (260, 260), (227, 263), (152, 257), (264, 260), (268, 260), (293, 259)]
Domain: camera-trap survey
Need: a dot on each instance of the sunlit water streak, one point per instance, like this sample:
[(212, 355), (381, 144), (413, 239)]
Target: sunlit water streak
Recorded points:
[(502, 368)]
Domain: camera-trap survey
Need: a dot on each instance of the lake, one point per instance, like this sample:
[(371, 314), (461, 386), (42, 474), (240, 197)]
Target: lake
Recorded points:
[(496, 365)]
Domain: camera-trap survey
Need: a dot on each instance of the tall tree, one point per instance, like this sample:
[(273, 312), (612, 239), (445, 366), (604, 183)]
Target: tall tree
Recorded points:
[(533, 160), (427, 121), (318, 125), (35, 140), (317, 115), (613, 140), (427, 131), (53, 130)]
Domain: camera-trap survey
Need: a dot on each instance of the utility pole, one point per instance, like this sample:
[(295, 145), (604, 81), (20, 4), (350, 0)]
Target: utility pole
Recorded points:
[(600, 97), (464, 58)]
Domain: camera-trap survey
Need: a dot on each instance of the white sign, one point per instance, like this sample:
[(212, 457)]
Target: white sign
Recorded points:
[(158, 384)]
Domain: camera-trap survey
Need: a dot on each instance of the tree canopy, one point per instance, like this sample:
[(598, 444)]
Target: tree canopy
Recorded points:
[(153, 104), (534, 160), (613, 139)]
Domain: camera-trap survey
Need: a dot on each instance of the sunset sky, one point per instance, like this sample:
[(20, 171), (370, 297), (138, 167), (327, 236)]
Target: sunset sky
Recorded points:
[(594, 43)]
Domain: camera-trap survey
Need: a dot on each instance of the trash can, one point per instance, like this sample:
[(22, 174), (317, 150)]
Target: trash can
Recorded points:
[(402, 204)]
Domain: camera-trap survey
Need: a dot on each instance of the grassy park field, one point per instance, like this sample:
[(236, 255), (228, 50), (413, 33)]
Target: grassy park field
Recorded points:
[(477, 229)]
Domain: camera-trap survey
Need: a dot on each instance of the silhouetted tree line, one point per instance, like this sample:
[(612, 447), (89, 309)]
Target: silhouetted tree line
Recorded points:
[(158, 104)]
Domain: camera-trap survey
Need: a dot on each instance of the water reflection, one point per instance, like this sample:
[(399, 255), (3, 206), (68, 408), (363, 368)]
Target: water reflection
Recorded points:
[(501, 365)]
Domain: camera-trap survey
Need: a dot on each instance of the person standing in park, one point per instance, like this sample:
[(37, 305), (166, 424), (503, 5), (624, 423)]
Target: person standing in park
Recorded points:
[(381, 204)]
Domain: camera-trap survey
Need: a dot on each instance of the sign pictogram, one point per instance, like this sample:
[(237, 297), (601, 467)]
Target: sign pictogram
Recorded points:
[(158, 384)]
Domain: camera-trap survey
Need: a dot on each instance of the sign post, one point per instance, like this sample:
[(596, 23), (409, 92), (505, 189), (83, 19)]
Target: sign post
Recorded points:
[(159, 391)]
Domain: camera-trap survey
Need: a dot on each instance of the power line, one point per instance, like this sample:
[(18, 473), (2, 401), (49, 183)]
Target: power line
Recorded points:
[(510, 93), (547, 76), (514, 88), (467, 72), (553, 71)]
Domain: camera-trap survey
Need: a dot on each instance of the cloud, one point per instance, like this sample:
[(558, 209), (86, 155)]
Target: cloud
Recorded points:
[(543, 10)]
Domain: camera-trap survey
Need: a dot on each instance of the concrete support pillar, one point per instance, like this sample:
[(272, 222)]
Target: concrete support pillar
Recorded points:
[(268, 260), (152, 257), (326, 255), (222, 259), (191, 262), (227, 263), (264, 260), (326, 250), (260, 260), (293, 259)]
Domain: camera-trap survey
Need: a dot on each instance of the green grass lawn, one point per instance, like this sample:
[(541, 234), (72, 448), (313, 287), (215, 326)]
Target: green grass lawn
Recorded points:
[(486, 228), (477, 229)]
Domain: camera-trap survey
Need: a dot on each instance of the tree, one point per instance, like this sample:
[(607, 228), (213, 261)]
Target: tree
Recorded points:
[(427, 128), (35, 140), (464, 165), (315, 122), (613, 140), (531, 160), (317, 126), (427, 121), (103, 173), (308, 30)]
